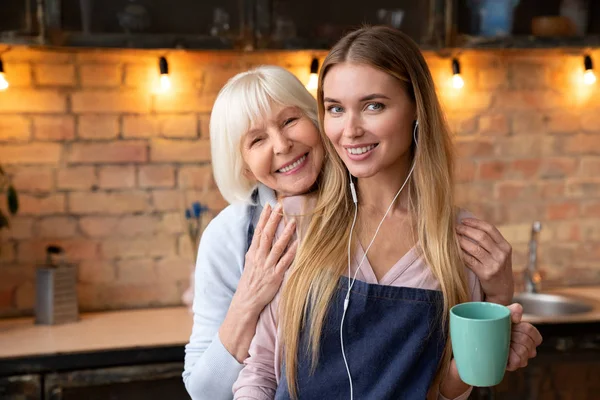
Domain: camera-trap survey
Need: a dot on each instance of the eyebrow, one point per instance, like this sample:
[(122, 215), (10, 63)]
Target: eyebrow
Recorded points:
[(364, 98)]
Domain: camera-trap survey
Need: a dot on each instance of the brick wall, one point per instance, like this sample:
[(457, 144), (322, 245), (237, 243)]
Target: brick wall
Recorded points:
[(105, 165)]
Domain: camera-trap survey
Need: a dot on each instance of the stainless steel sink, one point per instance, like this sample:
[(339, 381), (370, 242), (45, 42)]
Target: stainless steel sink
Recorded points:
[(552, 308)]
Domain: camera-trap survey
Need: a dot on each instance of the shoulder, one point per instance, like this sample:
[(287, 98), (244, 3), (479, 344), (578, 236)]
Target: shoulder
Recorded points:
[(233, 218)]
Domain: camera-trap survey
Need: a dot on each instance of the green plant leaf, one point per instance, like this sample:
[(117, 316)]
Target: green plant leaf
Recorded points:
[(12, 199), (3, 221)]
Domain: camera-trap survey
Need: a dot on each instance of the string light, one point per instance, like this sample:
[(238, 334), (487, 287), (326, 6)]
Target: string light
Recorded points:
[(165, 80), (3, 82), (457, 80), (589, 78), (313, 80)]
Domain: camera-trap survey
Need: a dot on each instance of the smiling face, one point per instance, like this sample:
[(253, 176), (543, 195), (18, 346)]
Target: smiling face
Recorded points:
[(368, 121), (283, 151)]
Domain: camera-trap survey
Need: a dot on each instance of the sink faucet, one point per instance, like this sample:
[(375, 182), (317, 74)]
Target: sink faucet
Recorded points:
[(531, 275)]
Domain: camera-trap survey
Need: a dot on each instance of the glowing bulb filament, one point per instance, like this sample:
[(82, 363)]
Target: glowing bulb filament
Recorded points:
[(589, 78), (313, 82), (457, 81), (165, 82), (3, 82)]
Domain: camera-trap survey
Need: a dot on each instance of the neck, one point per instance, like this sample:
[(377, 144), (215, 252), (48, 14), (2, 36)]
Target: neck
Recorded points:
[(378, 191)]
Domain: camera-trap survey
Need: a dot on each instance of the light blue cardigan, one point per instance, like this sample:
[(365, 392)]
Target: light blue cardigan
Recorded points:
[(210, 370)]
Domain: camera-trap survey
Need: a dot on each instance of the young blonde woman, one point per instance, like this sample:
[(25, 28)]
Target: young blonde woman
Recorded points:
[(363, 312)]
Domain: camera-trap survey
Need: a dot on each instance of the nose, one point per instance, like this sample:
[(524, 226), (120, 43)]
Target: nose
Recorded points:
[(282, 144), (353, 127)]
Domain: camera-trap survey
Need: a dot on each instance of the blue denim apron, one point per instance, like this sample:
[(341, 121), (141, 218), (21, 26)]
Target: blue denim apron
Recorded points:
[(393, 340)]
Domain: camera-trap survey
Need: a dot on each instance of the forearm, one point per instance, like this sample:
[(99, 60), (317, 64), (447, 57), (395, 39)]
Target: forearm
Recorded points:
[(452, 387), (238, 328)]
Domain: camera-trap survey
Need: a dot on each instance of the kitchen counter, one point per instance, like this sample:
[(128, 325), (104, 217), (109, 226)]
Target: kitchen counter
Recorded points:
[(96, 340), (587, 294)]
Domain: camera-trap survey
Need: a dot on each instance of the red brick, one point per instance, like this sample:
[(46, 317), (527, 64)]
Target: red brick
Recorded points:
[(474, 148), (135, 295), (590, 230), (583, 144), (98, 127), (110, 102), (524, 169), (172, 222), (157, 176), (204, 126), (591, 209), (519, 146), (186, 249), (492, 78), (590, 167), (8, 253), (212, 198), (173, 269), (553, 168), (527, 75), (41, 205), (94, 226), (518, 100), (461, 123), (56, 227), (25, 296), (184, 126), (138, 225), (529, 123), (100, 75), (76, 249), (55, 128), (96, 271), (167, 200), (113, 152), (15, 128), (164, 150), (590, 121), (563, 123), (32, 101), (116, 56), (562, 210), (140, 126), (36, 153), (33, 180), (551, 189), (141, 76), (492, 170), (20, 228), (193, 177), (108, 203), (215, 79), (462, 100), (581, 188), (465, 170), (183, 102), (511, 191), (137, 270), (522, 211), (76, 177), (117, 177), (36, 54), (55, 74), (142, 246), (18, 75), (493, 125)]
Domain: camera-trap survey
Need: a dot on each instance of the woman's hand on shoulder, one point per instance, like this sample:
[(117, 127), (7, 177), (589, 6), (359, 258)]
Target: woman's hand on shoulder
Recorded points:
[(489, 256)]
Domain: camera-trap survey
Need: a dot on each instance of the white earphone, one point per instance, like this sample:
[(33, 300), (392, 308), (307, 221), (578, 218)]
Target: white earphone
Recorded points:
[(347, 299)]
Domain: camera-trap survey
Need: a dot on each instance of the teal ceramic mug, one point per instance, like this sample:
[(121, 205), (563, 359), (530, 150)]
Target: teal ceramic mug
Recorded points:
[(480, 335)]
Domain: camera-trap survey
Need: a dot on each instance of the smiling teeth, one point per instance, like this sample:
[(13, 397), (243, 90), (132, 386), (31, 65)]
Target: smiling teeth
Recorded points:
[(294, 165), (361, 150)]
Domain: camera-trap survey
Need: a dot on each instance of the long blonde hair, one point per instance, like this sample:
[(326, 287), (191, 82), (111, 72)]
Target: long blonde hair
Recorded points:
[(319, 262)]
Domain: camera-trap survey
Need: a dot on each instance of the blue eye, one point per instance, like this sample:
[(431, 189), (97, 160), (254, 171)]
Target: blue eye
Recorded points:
[(335, 109), (375, 106)]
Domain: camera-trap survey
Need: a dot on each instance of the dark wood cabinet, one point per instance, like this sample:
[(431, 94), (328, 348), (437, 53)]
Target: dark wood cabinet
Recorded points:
[(21, 387)]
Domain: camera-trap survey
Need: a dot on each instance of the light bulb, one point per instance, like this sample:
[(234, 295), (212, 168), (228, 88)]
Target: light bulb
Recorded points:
[(165, 82), (457, 81), (589, 78), (3, 82), (313, 82)]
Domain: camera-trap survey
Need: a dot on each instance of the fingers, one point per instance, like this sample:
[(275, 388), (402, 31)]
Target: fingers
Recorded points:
[(484, 226), (286, 260), (281, 244), (262, 221), (529, 330), (522, 339), (518, 357), (516, 312), (473, 254), (268, 234), (479, 243)]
